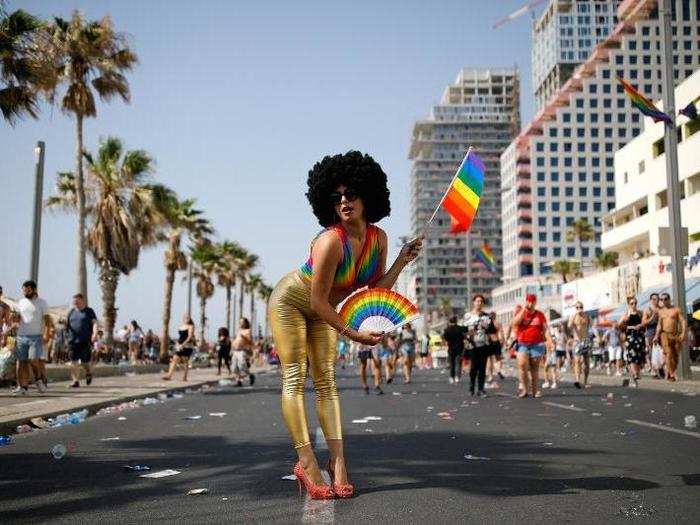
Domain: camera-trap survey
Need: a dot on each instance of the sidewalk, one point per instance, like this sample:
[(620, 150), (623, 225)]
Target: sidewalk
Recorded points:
[(104, 391), (597, 377)]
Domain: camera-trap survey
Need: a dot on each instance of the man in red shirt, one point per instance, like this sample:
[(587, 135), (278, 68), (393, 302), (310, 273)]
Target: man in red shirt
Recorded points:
[(530, 327)]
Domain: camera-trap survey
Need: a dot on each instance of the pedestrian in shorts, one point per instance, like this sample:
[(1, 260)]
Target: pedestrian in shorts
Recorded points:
[(82, 333), (242, 350)]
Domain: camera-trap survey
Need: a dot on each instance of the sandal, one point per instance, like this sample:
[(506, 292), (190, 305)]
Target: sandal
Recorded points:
[(537, 394), (522, 393)]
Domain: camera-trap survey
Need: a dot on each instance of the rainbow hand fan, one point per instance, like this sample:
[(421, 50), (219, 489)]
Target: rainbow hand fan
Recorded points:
[(377, 310)]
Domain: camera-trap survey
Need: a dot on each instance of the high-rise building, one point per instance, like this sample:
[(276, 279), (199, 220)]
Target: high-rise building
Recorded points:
[(480, 109), (563, 37), (560, 168)]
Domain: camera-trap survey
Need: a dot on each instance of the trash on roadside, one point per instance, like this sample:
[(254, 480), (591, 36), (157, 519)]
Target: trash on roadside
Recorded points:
[(669, 402), (610, 395), (58, 451), (23, 429), (429, 408), (162, 396), (121, 418), (115, 438), (177, 395), (396, 393), (627, 405), (161, 474), (476, 458), (596, 414), (443, 414), (40, 422), (690, 422), (130, 374), (5, 440), (291, 477), (217, 414), (360, 421), (225, 382), (369, 430), (71, 447), (373, 418), (548, 444), (136, 468), (150, 401), (191, 418), (197, 492)]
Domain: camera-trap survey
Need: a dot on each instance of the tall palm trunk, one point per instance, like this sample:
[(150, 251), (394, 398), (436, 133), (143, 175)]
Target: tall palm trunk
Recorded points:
[(202, 321), (240, 304), (109, 278), (80, 191), (228, 307), (252, 313), (170, 266)]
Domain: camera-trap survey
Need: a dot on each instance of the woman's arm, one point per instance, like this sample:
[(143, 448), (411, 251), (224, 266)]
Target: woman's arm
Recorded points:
[(326, 254), (190, 335), (408, 253)]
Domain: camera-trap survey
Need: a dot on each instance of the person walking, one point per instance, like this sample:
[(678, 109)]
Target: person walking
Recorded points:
[(479, 325), (650, 319), (223, 346), (242, 350), (613, 343), (186, 343), (495, 360), (135, 341), (407, 347), (634, 340), (454, 336), (81, 325), (671, 332), (369, 356), (532, 334), (580, 325), (29, 348)]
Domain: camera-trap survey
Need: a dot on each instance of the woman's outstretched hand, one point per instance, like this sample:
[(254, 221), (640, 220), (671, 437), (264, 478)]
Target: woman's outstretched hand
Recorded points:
[(369, 338), (411, 250)]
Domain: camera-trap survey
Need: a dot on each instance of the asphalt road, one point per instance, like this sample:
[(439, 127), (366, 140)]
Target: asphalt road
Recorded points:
[(572, 456)]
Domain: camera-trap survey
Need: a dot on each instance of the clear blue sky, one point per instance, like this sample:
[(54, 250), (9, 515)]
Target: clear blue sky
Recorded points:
[(236, 101)]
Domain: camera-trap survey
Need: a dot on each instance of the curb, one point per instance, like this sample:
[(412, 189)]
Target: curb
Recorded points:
[(8, 428)]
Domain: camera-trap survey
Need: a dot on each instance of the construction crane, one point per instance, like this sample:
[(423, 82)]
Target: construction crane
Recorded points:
[(530, 6)]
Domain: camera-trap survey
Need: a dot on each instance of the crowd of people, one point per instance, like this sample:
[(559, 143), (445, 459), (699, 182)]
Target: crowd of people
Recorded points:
[(30, 338)]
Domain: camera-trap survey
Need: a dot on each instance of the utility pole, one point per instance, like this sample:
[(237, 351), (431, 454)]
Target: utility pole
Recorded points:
[(468, 249), (38, 202), (673, 190)]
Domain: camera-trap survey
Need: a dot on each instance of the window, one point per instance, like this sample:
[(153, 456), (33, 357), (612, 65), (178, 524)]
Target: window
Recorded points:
[(552, 132), (581, 162), (540, 161), (540, 192), (568, 176), (620, 118), (554, 161), (567, 161), (555, 206), (569, 192), (582, 177), (542, 236), (567, 133), (610, 161), (569, 221), (542, 221), (641, 167), (607, 103), (582, 206), (606, 88), (539, 146), (596, 189), (556, 221), (566, 117), (596, 176), (570, 252), (556, 236), (540, 206), (581, 147), (595, 162), (579, 103), (554, 176), (553, 147), (555, 192), (580, 117), (596, 206), (580, 132), (540, 176), (582, 191), (585, 251), (543, 252), (608, 147), (569, 206), (607, 118), (610, 192), (556, 252), (610, 176)]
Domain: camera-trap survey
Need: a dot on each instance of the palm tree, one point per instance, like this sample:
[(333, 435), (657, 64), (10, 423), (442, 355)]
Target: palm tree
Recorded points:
[(179, 217), (19, 65), (265, 293), (253, 286), (205, 259), (581, 231), (247, 262), (121, 213), (565, 268), (605, 260), (85, 55), (227, 273)]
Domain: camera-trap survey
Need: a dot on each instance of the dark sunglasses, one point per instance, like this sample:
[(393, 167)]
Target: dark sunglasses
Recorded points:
[(579, 307), (664, 298), (350, 195)]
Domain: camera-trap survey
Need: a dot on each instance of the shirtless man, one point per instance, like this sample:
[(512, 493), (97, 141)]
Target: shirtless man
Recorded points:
[(242, 351), (580, 325), (670, 330)]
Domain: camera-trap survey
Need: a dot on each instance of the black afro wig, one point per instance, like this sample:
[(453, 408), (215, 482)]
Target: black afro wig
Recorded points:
[(354, 170)]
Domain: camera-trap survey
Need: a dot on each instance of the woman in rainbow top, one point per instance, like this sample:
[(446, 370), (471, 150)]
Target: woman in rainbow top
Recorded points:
[(348, 194)]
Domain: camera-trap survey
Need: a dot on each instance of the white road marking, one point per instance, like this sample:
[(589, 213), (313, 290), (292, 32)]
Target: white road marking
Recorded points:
[(319, 511), (661, 427), (565, 407)]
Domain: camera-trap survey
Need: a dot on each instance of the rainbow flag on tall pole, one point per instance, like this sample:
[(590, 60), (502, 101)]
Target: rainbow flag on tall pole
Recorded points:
[(485, 255), (643, 104), (461, 200)]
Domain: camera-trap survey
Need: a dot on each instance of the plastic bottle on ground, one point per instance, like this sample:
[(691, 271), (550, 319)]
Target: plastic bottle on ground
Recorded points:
[(690, 422), (5, 440), (58, 451)]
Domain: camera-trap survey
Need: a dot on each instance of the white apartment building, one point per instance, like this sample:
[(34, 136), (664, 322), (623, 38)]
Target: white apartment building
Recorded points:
[(560, 168), (480, 109), (563, 37), (632, 228)]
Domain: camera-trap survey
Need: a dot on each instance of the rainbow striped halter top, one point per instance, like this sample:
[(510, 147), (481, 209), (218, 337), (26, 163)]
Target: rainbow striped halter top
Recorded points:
[(353, 272)]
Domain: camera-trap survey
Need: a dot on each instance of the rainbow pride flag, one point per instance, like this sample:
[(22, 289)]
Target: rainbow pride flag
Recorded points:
[(461, 201), (485, 255), (643, 104)]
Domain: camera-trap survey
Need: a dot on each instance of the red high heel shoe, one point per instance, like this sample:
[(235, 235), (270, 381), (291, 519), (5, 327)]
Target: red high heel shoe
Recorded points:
[(315, 491), (343, 491)]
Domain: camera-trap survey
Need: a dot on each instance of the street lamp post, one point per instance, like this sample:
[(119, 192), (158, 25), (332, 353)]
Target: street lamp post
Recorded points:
[(36, 221), (673, 191), (189, 289)]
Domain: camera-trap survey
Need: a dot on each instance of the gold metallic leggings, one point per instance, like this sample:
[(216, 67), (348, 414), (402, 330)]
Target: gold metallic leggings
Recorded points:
[(302, 338)]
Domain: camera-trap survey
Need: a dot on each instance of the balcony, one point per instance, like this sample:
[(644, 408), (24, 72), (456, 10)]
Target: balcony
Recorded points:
[(524, 200), (524, 259), (525, 214), (522, 169), (525, 229)]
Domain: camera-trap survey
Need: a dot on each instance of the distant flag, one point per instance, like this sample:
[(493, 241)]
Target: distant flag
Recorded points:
[(462, 198), (485, 255), (643, 104), (690, 111)]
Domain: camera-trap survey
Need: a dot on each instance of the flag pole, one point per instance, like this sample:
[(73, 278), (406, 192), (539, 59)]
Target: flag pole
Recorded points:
[(437, 208)]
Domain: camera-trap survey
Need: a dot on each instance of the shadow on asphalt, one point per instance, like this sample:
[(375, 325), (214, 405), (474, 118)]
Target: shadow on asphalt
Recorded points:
[(30, 483)]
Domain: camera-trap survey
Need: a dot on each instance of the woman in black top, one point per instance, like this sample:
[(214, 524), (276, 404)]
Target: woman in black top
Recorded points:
[(634, 338), (184, 348), (479, 325), (224, 346)]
